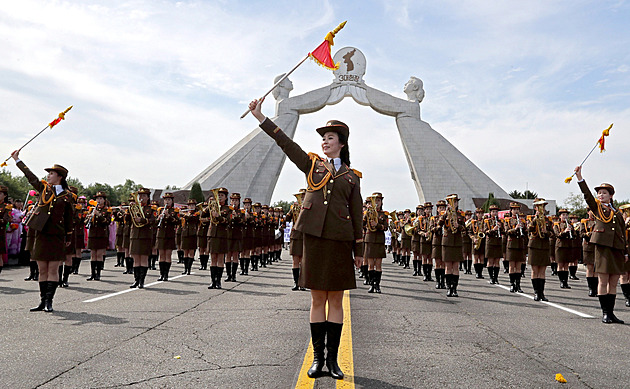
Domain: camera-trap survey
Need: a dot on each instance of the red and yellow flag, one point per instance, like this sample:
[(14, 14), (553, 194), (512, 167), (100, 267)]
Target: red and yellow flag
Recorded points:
[(322, 55)]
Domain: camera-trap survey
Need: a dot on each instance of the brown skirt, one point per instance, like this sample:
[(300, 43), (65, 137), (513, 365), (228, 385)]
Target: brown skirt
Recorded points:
[(425, 248), (126, 241), (327, 264), (494, 251), (119, 238), (589, 257), (248, 243), (467, 248), (47, 247), (98, 243), (538, 257), (141, 247), (436, 252), (235, 245), (189, 242), (406, 242), (564, 255), (202, 241), (218, 245), (70, 249), (374, 250), (296, 247), (30, 240), (609, 260), (515, 255), (79, 242), (482, 249), (452, 254), (166, 243), (415, 246)]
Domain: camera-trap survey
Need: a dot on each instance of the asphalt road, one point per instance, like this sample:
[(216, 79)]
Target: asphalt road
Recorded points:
[(254, 333)]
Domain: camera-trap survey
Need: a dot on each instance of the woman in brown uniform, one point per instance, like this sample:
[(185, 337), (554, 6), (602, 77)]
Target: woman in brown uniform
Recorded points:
[(588, 253), (78, 235), (118, 216), (202, 236), (265, 228), (493, 229), (611, 249), (540, 229), (51, 224), (258, 238), (515, 230), (295, 239), (235, 236), (467, 244), (452, 223), (167, 221), (331, 221), (218, 242), (405, 241), (624, 280), (478, 239), (127, 222), (97, 222), (374, 242), (189, 227), (28, 248), (436, 245), (248, 236), (68, 266), (415, 242), (5, 217), (425, 242), (142, 238), (153, 257), (564, 232)]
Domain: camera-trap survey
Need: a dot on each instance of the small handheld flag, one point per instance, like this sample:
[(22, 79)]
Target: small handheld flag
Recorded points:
[(59, 118), (600, 144)]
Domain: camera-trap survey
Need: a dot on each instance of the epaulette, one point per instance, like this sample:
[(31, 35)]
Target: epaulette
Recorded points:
[(314, 156), (358, 173)]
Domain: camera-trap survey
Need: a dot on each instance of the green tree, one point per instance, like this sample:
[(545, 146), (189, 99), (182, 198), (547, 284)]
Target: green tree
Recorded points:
[(528, 194), (196, 193), (576, 205), (286, 205), (491, 201), (18, 186), (124, 190)]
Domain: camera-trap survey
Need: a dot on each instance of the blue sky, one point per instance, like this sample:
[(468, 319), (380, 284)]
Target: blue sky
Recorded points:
[(523, 89)]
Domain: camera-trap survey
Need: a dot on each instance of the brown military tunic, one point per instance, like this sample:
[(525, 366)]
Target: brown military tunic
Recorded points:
[(218, 232), (51, 222), (515, 230), (452, 237), (98, 229), (608, 235), (436, 240), (119, 219), (127, 231), (476, 228), (564, 242), (141, 238), (236, 222), (494, 243), (190, 224), (331, 217), (296, 240), (425, 236), (202, 228), (248, 232), (588, 248), (538, 247), (374, 241), (166, 225)]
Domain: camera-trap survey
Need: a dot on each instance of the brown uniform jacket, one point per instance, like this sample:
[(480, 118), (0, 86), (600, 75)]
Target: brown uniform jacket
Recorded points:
[(515, 235), (377, 236), (169, 223), (220, 230), (54, 217), (145, 232), (564, 238), (539, 239), (611, 234), (335, 210), (452, 238), (99, 224), (586, 230), (492, 236)]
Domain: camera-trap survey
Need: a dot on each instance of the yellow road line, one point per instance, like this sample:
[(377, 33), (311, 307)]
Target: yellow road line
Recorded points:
[(344, 358)]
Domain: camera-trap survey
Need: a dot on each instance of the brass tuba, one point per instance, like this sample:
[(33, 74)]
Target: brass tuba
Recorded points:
[(540, 219), (371, 213), (451, 212), (296, 212), (214, 205), (135, 210)]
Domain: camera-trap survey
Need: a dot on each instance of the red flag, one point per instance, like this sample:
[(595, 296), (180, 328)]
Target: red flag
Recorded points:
[(54, 122), (321, 54), (601, 144)]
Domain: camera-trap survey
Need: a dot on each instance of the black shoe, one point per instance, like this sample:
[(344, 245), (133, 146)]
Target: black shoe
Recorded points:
[(333, 338), (66, 273), (219, 275), (318, 336)]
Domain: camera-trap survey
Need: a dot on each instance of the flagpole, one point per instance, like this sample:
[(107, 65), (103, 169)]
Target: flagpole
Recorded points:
[(599, 143), (277, 83)]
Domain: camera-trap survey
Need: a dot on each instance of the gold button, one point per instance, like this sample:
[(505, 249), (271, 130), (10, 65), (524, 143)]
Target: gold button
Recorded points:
[(348, 217), (331, 181), (613, 228), (325, 202), (328, 191)]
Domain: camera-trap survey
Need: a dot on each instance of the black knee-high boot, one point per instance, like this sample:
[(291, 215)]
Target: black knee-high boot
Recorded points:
[(213, 276), (454, 284), (43, 286), (93, 270), (161, 266), (429, 271), (523, 267), (234, 269), (50, 294), (167, 268), (296, 277), (625, 288), (438, 280), (592, 283), (512, 283), (228, 268), (368, 274), (449, 284), (246, 265), (420, 268), (517, 282), (415, 267), (372, 280), (99, 267), (469, 266), (143, 274), (506, 266), (186, 261), (241, 262), (66, 273), (573, 272), (318, 337), (554, 268), (377, 282), (333, 338), (60, 274), (541, 289), (136, 277), (219, 275), (32, 267), (180, 256)]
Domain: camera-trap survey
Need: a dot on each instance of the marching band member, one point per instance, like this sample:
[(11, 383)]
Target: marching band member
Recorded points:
[(279, 238), (79, 233), (611, 249), (118, 216), (552, 247), (248, 236), (68, 266), (5, 217), (167, 221), (576, 247), (258, 238), (331, 222), (624, 280), (467, 244), (452, 223), (97, 222), (436, 245), (425, 242), (374, 242), (493, 229), (189, 228), (399, 238), (564, 232), (235, 237), (154, 250), (51, 223), (218, 238), (515, 230), (28, 248), (478, 239), (141, 237), (588, 252), (415, 242), (295, 239), (202, 236), (266, 231), (127, 223), (540, 229), (405, 241)]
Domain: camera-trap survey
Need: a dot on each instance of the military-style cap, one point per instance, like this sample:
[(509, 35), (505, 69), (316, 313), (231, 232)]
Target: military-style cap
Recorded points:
[(441, 203), (265, 206), (154, 202), (479, 210), (235, 196), (62, 171), (101, 194), (407, 210), (572, 216), (130, 198), (540, 201), (224, 190), (5, 189), (256, 205), (399, 213), (419, 206), (168, 195), (247, 200), (606, 186), (302, 190), (124, 204), (562, 211), (515, 205), (428, 204), (192, 201), (278, 209), (468, 212), (494, 207), (452, 196), (377, 195), (144, 191), (335, 126)]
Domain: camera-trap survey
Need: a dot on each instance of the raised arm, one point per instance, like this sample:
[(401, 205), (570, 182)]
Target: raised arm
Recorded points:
[(32, 178)]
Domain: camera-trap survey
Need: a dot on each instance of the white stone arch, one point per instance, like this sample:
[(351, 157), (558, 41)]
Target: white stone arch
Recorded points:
[(437, 168)]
